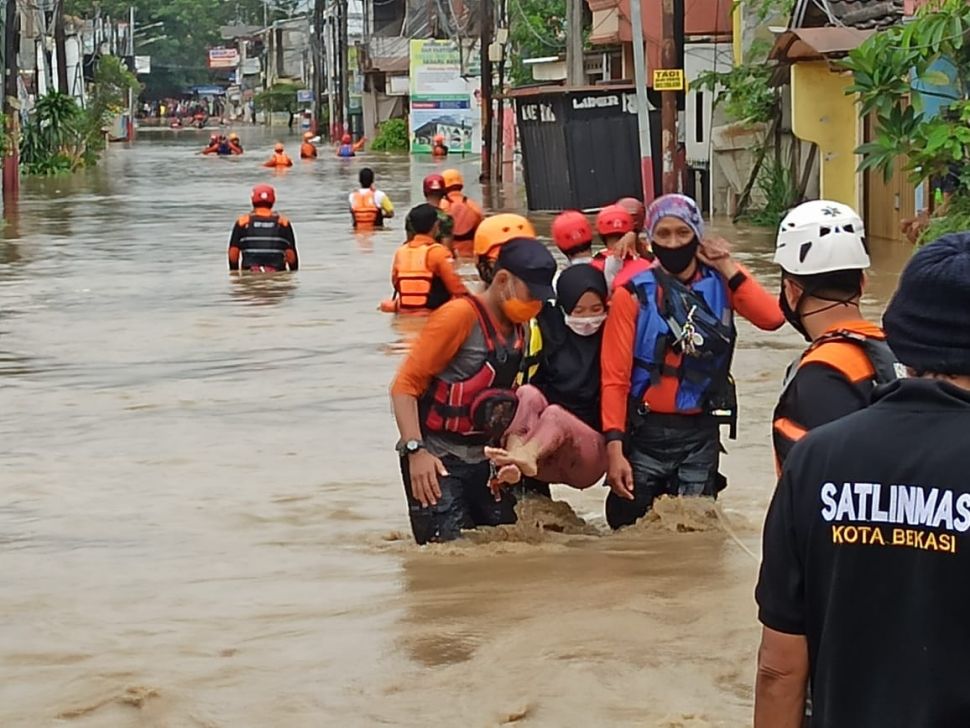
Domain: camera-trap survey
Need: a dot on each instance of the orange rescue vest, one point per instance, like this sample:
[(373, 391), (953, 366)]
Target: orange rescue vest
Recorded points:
[(414, 278), (465, 212), (365, 209)]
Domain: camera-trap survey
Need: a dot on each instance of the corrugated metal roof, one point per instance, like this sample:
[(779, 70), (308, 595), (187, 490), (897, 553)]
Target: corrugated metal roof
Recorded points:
[(862, 14), (867, 14), (810, 44)]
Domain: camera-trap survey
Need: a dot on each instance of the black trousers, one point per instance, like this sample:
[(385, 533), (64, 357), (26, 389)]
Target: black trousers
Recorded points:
[(466, 502)]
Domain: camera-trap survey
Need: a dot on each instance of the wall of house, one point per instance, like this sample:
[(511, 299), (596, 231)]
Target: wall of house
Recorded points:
[(702, 18), (823, 114)]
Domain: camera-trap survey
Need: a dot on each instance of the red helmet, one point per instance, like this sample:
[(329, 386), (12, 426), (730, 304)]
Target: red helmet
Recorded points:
[(614, 220), (636, 209), (433, 183), (263, 196), (346, 139), (571, 230)]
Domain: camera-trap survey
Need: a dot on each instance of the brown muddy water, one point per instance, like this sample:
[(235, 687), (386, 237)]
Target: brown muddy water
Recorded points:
[(201, 518)]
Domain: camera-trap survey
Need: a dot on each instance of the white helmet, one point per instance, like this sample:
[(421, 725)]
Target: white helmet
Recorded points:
[(821, 237)]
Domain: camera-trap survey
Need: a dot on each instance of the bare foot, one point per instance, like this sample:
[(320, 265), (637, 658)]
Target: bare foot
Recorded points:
[(523, 461)]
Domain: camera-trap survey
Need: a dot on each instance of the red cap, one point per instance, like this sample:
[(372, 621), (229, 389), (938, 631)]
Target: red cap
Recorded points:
[(346, 139), (434, 183), (636, 209), (614, 220), (263, 196), (571, 230)]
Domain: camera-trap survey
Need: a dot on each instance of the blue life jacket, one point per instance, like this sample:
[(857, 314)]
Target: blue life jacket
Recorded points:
[(224, 149), (346, 150), (697, 320)]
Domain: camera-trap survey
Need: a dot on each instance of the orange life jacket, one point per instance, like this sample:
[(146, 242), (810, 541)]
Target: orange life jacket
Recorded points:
[(308, 151), (416, 285), (279, 159), (365, 209), (455, 408), (413, 276), (465, 212)]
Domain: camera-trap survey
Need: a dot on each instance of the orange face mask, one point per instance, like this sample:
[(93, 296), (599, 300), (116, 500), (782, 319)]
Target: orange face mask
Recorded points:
[(518, 311)]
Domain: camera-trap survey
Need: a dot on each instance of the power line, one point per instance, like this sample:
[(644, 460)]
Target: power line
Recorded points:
[(528, 24)]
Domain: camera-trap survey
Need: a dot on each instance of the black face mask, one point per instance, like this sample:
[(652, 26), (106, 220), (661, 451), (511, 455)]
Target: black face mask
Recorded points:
[(677, 260), (791, 316)]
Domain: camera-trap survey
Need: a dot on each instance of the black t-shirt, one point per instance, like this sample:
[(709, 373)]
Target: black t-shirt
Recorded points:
[(867, 554), (817, 395)]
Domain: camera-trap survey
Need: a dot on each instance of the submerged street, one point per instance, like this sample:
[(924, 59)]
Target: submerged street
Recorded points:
[(202, 521)]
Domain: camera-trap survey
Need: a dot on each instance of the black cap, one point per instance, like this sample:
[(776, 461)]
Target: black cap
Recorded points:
[(529, 261), (928, 321)]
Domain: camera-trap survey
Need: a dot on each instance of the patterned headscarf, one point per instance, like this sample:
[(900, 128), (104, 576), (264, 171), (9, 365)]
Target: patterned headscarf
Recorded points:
[(679, 206)]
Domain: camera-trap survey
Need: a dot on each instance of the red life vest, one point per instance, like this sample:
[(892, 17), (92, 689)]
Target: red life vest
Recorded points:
[(451, 407)]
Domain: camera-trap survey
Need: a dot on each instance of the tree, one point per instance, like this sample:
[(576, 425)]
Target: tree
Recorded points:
[(536, 28), (894, 71), (189, 28)]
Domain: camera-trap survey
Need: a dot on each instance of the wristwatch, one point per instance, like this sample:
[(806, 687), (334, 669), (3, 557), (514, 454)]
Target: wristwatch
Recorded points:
[(409, 447)]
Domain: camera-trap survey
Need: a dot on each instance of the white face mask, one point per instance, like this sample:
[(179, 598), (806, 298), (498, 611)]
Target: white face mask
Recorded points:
[(585, 325)]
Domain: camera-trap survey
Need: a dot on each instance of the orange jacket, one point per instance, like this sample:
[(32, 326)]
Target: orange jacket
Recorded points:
[(308, 151), (279, 159), (466, 213), (748, 298)]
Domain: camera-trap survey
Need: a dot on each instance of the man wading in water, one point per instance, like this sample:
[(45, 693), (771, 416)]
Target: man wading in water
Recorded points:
[(863, 587), (453, 394)]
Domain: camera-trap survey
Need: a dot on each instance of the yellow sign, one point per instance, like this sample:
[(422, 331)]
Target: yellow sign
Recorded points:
[(668, 79)]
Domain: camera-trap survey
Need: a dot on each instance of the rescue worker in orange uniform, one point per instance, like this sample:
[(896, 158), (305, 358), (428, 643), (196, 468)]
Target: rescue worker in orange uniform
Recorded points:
[(280, 158), (620, 261), (235, 146), (466, 213), (439, 150), (573, 235), (491, 235), (434, 191), (823, 257), (639, 214), (213, 147), (422, 275), (666, 363), (308, 149), (369, 206), (453, 395), (263, 241)]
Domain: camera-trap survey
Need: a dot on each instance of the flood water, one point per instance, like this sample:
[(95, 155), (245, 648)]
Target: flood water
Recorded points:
[(201, 518)]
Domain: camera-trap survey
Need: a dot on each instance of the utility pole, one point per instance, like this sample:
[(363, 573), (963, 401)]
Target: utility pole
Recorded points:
[(318, 65), (669, 60), (342, 64), (575, 74), (11, 107), (488, 25), (643, 107), (60, 47), (131, 53), (498, 141)]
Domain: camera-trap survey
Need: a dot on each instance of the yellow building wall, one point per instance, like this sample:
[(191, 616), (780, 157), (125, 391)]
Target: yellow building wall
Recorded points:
[(822, 113)]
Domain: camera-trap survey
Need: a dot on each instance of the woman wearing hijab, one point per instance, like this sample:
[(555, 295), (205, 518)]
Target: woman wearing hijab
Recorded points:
[(667, 349), (555, 436)]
